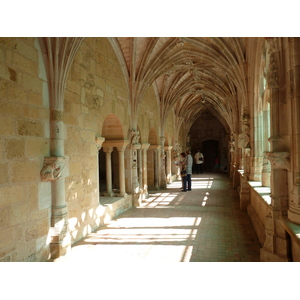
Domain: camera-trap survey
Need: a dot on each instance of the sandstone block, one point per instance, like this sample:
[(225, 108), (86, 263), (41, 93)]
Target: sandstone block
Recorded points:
[(6, 237), (10, 109), (4, 221), (26, 50), (30, 127), (36, 231), (22, 63), (18, 214), (12, 92), (37, 147), (44, 195), (2, 55), (4, 72), (15, 149), (12, 194), (1, 149), (27, 171), (4, 173), (7, 126)]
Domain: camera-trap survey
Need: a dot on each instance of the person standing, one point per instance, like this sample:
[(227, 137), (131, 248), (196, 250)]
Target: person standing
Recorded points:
[(217, 164), (189, 167), (182, 165), (199, 160)]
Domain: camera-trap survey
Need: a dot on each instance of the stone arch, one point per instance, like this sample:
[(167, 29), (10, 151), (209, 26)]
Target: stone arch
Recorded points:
[(152, 137), (112, 128), (112, 131)]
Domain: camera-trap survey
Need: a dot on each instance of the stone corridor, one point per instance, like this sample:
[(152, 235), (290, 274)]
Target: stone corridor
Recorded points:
[(202, 225)]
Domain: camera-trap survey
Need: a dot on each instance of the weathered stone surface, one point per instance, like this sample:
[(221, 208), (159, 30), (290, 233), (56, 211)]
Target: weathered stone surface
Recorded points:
[(30, 128), (15, 149), (26, 171), (7, 126)]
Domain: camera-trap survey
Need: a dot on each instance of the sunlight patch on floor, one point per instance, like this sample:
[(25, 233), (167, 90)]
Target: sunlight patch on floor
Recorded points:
[(166, 239)]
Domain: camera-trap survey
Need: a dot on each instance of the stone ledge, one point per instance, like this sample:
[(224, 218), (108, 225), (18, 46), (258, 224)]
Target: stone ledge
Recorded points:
[(292, 229), (114, 206)]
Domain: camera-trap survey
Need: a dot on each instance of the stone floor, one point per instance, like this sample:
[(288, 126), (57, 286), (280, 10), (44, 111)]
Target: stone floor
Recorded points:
[(202, 225)]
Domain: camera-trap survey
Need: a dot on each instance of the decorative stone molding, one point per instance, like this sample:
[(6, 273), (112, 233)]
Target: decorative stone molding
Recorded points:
[(279, 160), (52, 168), (272, 68)]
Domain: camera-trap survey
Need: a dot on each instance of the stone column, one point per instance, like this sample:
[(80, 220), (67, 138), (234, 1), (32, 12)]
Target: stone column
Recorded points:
[(109, 191), (276, 246), (134, 165), (99, 141), (144, 185), (162, 163), (58, 54), (61, 239), (266, 168), (122, 170), (266, 171), (140, 167), (294, 94), (156, 153), (168, 149)]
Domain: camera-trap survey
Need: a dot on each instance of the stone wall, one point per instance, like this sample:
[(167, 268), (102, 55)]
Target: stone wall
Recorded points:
[(24, 141), (95, 89)]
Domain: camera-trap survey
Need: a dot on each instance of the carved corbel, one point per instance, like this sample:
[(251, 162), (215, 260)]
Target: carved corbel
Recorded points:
[(52, 168), (99, 142), (279, 160)]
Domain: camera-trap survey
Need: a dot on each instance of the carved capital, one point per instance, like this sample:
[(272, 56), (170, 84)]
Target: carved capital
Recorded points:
[(52, 168), (135, 137), (99, 142), (279, 160)]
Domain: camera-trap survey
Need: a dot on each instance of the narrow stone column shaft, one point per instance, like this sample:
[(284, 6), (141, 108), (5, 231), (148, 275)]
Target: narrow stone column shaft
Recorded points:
[(108, 151), (122, 170)]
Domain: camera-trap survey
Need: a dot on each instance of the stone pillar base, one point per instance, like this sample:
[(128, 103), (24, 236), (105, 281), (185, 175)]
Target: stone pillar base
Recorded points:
[(109, 194), (244, 195), (60, 248), (136, 199)]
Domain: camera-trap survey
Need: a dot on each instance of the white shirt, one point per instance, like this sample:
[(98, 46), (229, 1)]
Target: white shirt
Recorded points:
[(197, 156)]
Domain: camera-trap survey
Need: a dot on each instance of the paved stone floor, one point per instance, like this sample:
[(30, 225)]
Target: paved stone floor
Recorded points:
[(202, 225)]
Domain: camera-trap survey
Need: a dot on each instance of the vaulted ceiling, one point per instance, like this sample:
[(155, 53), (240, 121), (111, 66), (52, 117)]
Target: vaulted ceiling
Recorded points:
[(190, 75)]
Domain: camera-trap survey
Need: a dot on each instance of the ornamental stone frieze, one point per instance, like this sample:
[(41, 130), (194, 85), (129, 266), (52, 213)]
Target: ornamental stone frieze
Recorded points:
[(279, 160), (52, 168)]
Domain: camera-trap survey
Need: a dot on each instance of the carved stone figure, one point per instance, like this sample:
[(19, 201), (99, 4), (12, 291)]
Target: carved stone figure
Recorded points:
[(52, 168), (243, 140), (135, 137)]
